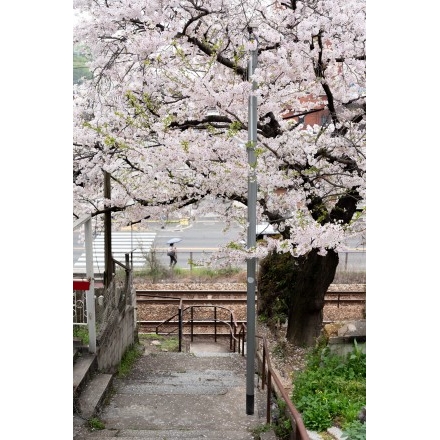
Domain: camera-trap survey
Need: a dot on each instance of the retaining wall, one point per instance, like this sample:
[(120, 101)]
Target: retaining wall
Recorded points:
[(119, 335)]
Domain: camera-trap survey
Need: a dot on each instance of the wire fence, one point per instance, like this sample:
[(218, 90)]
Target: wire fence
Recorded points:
[(352, 261), (157, 260)]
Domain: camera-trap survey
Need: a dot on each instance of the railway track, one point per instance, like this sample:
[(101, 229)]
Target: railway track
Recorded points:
[(210, 312)]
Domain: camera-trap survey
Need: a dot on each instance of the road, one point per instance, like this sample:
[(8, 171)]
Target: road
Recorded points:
[(198, 240), (202, 235)]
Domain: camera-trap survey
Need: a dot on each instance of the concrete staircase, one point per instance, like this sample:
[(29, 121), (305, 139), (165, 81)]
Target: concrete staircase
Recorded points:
[(174, 396), (90, 388)]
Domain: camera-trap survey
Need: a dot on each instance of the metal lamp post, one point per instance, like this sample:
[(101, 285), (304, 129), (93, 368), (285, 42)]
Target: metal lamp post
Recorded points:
[(251, 232)]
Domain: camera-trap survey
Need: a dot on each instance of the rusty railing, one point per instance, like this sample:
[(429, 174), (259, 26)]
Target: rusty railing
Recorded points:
[(268, 374)]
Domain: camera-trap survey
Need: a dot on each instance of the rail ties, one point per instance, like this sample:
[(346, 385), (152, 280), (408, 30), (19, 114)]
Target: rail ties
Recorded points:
[(233, 296), (191, 293), (156, 306), (345, 297)]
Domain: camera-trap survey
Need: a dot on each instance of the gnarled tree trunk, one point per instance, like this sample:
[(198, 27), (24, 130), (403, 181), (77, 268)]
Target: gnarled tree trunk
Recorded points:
[(295, 288)]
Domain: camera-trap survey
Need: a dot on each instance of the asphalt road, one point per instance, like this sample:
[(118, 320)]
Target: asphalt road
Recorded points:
[(201, 237)]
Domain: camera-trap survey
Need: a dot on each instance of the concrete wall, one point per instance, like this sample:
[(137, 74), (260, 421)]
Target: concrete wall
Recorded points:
[(118, 337), (342, 348)]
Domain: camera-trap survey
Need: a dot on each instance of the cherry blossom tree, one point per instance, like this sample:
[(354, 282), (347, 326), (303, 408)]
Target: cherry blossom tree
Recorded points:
[(166, 116)]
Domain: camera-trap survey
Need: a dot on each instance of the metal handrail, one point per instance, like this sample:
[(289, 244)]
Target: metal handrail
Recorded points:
[(299, 431), (215, 320), (180, 322), (240, 337)]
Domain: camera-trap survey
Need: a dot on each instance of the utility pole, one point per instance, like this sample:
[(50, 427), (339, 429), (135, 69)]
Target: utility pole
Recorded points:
[(108, 271), (251, 232)]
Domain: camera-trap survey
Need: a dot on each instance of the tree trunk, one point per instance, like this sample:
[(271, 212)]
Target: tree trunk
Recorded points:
[(295, 288), (314, 275)]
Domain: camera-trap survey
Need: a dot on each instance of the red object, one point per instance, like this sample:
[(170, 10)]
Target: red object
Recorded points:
[(81, 285)]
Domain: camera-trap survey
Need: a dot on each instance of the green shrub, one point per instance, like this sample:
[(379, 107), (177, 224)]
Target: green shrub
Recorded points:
[(331, 390), (282, 427), (354, 431), (82, 332)]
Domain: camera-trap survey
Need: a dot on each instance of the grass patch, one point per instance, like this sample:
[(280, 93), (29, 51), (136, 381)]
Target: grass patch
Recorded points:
[(331, 391), (260, 429), (133, 353), (168, 343), (157, 272), (95, 424), (196, 274), (209, 273)]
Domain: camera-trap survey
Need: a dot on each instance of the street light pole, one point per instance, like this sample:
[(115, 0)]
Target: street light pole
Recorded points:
[(251, 232)]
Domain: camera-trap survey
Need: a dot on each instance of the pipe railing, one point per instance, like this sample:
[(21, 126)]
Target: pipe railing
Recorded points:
[(179, 315), (240, 336), (299, 431), (180, 322)]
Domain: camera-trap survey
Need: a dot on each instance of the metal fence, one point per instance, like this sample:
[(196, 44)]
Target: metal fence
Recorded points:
[(79, 307), (108, 301), (155, 260), (352, 261)]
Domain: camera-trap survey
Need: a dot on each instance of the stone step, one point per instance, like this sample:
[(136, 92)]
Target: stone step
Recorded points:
[(84, 365), (177, 396), (93, 395), (77, 342), (169, 434)]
